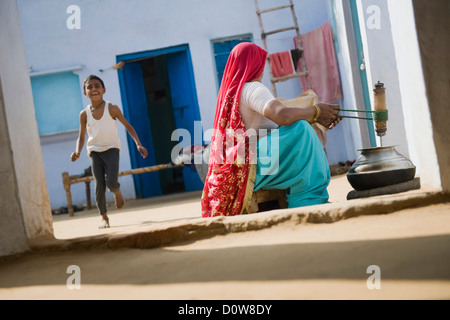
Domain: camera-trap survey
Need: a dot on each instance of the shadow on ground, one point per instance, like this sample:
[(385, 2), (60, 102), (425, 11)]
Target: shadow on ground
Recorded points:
[(419, 258)]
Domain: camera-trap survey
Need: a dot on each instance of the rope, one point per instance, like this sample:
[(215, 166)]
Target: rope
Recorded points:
[(378, 116)]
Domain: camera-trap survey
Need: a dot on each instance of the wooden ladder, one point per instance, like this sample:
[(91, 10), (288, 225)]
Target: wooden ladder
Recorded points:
[(264, 35)]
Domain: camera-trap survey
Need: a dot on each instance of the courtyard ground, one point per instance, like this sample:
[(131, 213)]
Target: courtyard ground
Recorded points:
[(384, 247)]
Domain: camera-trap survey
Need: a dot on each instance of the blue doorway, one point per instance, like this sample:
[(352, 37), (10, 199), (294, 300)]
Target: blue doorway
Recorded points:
[(159, 96)]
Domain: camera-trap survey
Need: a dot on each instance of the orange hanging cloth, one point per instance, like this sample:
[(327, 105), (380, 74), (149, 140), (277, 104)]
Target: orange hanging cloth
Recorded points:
[(281, 63)]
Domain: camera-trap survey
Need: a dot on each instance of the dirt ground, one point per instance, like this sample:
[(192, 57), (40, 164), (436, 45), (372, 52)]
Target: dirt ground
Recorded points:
[(288, 261)]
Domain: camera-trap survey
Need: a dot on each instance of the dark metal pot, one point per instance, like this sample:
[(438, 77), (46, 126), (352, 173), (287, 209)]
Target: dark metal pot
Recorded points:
[(380, 167)]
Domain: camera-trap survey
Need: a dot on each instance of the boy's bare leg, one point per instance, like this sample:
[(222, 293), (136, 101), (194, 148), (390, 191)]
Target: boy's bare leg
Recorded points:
[(120, 201)]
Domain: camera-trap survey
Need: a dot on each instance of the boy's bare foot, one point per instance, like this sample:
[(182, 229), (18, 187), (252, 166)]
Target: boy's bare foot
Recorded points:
[(120, 201), (105, 222), (104, 225)]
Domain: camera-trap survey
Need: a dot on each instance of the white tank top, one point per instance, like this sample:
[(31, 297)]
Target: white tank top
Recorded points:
[(102, 134)]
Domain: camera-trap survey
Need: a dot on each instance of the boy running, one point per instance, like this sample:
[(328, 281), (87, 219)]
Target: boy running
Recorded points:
[(99, 120)]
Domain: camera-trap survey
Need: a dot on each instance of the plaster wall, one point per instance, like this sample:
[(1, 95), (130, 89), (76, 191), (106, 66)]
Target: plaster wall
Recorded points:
[(432, 25), (413, 92), (13, 237), (21, 141), (115, 27), (344, 140), (381, 65), (112, 28)]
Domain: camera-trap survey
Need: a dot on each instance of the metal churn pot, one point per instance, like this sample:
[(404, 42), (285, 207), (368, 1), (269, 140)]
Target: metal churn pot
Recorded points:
[(380, 167)]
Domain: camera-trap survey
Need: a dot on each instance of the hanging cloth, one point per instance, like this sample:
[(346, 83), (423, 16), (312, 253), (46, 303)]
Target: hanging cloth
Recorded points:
[(281, 63), (323, 69)]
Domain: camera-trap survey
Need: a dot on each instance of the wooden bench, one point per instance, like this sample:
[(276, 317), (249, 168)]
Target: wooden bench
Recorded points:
[(265, 200), (68, 180)]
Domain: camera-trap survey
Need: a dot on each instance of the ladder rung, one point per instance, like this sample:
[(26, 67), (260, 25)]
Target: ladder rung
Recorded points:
[(273, 9), (290, 76), (263, 35)]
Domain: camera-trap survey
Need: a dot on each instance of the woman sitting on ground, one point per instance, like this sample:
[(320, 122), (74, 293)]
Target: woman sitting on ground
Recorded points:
[(244, 158)]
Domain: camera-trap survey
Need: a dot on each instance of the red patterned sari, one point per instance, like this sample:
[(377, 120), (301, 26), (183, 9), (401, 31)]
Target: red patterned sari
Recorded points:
[(227, 187)]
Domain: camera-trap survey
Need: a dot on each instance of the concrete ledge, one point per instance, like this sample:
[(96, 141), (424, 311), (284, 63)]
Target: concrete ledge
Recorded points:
[(182, 231)]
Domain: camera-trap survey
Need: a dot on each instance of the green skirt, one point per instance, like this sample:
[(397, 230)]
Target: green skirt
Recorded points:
[(293, 159)]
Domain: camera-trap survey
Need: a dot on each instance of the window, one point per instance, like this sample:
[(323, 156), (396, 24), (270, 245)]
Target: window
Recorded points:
[(222, 49), (57, 101)]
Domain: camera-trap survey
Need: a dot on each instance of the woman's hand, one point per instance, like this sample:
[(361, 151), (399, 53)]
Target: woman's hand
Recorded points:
[(328, 115)]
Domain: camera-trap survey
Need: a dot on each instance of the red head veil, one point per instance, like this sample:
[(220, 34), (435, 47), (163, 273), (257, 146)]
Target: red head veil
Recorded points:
[(225, 187)]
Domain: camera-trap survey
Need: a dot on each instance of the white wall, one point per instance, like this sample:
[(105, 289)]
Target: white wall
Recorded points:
[(114, 27), (310, 15), (344, 140), (412, 88), (381, 65)]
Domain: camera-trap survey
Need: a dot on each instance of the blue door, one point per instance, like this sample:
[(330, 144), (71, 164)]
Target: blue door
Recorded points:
[(185, 106), (136, 112), (136, 91)]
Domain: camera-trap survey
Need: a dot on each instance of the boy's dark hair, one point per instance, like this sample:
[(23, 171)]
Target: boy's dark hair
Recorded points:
[(92, 76)]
